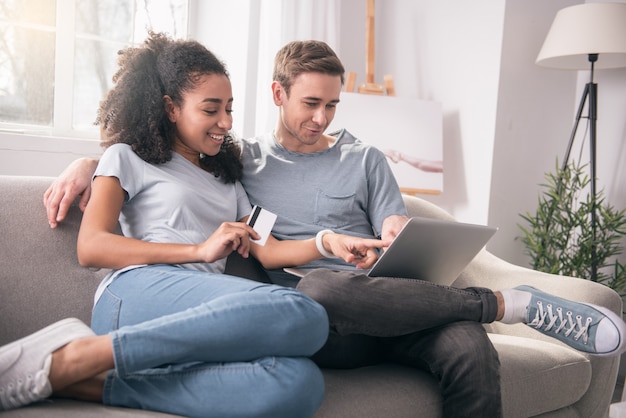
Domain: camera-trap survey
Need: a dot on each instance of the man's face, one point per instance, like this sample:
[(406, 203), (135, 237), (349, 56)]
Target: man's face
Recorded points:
[(307, 112)]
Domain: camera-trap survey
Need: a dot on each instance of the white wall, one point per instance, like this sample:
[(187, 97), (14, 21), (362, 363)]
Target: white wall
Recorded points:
[(533, 124), (536, 113), (448, 52), (506, 120)]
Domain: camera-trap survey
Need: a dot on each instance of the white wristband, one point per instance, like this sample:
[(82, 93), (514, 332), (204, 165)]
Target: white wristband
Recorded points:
[(320, 245)]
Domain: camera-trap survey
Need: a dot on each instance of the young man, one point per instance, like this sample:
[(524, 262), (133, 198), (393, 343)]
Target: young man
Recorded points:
[(320, 184)]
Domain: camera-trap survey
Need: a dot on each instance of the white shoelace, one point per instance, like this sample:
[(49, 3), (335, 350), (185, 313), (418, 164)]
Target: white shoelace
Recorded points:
[(19, 393), (567, 322)]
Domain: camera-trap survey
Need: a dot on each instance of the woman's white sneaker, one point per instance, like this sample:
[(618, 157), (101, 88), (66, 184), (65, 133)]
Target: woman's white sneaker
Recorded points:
[(25, 363)]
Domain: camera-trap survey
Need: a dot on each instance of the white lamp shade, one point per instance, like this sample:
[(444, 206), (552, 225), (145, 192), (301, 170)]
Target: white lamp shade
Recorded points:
[(590, 28)]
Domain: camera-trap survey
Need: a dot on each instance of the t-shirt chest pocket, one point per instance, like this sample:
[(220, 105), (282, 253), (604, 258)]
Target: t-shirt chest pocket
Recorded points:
[(334, 211)]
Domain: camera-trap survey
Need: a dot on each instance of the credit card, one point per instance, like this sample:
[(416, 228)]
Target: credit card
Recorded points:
[(262, 221)]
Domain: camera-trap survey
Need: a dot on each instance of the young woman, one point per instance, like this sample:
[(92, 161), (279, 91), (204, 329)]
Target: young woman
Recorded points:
[(172, 332)]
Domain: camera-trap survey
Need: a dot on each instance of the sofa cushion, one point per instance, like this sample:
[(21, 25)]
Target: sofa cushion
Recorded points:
[(66, 408), (357, 393), (39, 267), (533, 373)]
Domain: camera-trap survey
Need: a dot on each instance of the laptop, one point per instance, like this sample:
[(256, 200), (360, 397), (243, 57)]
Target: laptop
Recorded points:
[(428, 249)]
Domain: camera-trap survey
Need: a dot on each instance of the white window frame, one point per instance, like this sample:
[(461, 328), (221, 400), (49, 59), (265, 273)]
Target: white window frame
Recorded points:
[(63, 76)]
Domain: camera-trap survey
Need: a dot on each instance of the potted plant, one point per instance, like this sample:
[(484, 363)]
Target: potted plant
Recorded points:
[(559, 237)]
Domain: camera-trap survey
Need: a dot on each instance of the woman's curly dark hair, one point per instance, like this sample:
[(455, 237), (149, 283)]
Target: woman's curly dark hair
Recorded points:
[(133, 111)]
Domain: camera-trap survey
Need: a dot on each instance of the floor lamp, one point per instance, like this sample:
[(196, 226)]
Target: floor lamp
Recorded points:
[(587, 36)]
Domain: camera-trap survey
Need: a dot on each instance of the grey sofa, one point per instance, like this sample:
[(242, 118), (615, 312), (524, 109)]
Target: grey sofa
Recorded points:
[(41, 282)]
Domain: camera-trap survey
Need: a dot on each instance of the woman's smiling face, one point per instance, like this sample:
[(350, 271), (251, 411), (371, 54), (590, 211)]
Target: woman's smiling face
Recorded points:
[(203, 118)]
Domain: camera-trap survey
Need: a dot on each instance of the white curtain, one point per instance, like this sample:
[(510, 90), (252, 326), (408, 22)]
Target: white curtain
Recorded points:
[(279, 22), (246, 34)]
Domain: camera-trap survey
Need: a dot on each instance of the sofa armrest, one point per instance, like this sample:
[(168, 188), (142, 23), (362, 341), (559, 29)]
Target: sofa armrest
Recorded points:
[(490, 271)]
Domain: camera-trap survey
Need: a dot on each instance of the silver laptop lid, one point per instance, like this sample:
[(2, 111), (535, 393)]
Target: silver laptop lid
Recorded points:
[(433, 250)]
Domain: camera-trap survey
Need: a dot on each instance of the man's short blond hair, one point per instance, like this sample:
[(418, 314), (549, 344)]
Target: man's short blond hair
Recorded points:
[(299, 57)]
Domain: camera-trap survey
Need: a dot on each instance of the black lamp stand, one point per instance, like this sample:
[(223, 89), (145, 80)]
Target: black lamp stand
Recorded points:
[(590, 93)]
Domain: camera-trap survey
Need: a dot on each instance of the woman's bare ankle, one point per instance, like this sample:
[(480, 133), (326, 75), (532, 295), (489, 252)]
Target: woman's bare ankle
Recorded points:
[(500, 300), (90, 390), (80, 360)]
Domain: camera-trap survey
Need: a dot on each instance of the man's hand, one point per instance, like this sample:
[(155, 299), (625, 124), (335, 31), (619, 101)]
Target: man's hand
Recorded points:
[(358, 251), (74, 181), (392, 226)]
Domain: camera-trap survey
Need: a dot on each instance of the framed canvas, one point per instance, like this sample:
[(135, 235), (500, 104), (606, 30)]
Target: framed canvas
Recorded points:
[(408, 131)]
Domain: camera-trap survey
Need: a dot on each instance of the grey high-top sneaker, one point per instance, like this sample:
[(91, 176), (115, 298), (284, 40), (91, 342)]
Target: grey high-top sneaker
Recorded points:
[(586, 327)]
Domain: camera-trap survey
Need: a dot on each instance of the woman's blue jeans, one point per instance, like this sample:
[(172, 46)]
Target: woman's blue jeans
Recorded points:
[(210, 345), (416, 323)]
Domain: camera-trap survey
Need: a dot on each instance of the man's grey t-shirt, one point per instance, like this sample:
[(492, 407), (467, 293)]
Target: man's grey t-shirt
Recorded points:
[(348, 188)]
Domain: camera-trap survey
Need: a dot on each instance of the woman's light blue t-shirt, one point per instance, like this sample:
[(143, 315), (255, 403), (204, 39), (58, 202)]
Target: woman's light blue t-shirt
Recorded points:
[(173, 202)]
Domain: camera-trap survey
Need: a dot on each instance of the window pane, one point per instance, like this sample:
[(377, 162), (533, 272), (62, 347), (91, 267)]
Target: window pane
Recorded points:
[(27, 62), (102, 29), (41, 12), (108, 19), (94, 65), (163, 16), (97, 29)]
